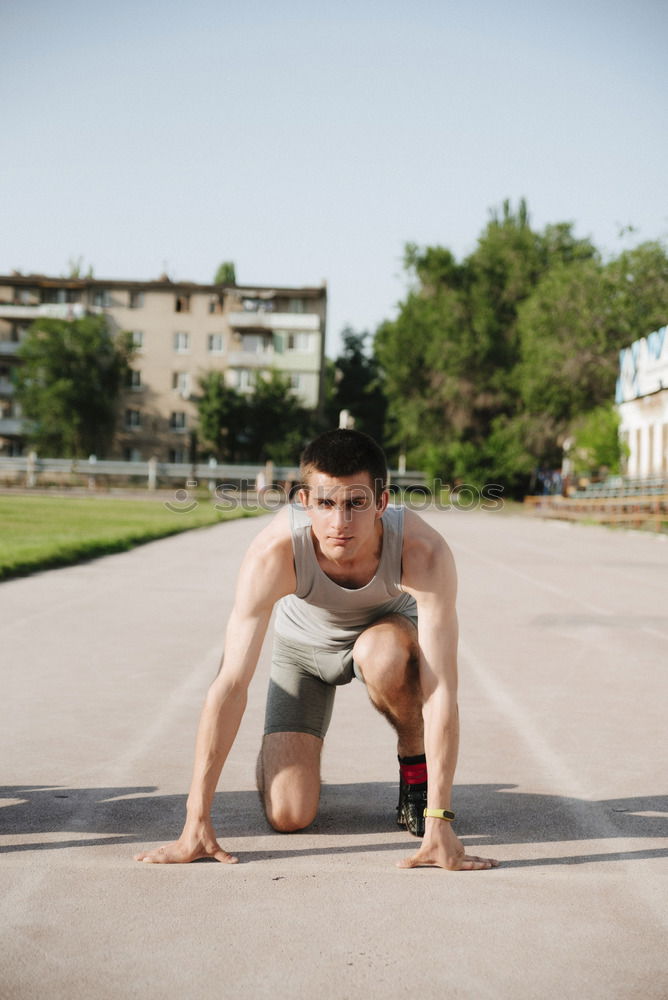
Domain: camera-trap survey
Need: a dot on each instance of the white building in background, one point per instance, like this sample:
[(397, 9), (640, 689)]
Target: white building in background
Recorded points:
[(642, 401)]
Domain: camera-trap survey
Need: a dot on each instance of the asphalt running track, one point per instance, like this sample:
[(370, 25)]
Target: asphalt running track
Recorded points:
[(562, 776)]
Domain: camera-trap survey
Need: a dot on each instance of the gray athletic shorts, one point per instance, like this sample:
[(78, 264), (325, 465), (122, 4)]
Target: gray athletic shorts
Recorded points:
[(302, 685)]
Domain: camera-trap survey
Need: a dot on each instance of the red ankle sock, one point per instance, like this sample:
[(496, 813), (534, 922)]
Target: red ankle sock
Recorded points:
[(413, 770)]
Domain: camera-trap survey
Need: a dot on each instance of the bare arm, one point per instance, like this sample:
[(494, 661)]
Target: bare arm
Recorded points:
[(429, 574), (266, 574)]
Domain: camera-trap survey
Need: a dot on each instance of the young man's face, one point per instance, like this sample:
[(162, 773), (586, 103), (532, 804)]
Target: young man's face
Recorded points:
[(343, 512)]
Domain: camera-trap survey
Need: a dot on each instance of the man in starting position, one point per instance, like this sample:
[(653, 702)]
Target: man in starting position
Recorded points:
[(364, 590)]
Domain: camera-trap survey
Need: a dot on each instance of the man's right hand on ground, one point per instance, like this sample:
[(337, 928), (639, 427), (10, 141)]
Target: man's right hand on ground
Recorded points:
[(196, 841)]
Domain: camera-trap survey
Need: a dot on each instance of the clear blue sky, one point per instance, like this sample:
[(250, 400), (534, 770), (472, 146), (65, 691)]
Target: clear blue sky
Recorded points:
[(307, 141)]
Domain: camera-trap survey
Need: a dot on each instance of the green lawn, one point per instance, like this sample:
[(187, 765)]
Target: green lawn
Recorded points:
[(43, 532)]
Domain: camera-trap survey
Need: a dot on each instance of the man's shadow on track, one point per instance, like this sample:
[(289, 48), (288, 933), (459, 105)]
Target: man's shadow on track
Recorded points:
[(488, 815)]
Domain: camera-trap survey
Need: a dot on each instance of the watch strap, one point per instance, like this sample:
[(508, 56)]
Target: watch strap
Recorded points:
[(440, 814)]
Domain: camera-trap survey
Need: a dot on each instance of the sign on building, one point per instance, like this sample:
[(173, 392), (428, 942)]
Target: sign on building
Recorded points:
[(643, 367), (642, 401)]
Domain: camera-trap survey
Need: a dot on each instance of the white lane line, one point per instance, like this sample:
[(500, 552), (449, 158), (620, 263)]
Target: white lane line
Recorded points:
[(520, 541), (195, 682), (539, 749), (568, 596), (654, 631), (641, 881), (506, 568), (534, 581)]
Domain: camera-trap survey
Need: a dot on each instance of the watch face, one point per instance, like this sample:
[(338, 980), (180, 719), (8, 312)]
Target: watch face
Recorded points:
[(440, 814)]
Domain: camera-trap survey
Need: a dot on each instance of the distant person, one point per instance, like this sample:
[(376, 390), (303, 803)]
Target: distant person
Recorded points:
[(363, 590)]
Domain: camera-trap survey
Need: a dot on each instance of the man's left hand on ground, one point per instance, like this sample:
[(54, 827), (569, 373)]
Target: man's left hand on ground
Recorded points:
[(441, 848)]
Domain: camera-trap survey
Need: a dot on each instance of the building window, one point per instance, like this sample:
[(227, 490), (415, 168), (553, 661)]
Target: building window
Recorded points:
[(257, 305), (60, 296), (134, 380), (177, 421), (215, 305), (182, 304), (241, 378), (136, 300), (252, 343), (181, 343), (137, 338), (178, 456), (299, 342), (181, 383), (296, 306), (132, 419), (295, 381), (216, 343), (101, 298), (131, 455)]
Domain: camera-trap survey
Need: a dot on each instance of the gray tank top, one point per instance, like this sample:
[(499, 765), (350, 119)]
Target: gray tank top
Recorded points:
[(323, 614)]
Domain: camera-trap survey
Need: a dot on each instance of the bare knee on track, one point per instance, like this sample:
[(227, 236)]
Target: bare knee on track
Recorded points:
[(289, 779)]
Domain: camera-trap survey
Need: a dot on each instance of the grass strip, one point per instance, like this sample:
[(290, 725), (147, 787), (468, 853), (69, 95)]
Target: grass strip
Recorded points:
[(42, 532)]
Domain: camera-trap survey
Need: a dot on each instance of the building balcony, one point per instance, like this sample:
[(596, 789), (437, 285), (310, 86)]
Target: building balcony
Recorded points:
[(11, 427), (9, 347), (273, 321), (6, 388), (251, 359), (47, 310)]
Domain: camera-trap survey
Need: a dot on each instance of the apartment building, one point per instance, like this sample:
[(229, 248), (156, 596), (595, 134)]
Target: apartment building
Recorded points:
[(180, 330)]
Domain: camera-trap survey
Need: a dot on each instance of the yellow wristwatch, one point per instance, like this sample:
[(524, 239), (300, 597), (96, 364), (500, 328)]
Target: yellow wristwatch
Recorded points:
[(440, 814)]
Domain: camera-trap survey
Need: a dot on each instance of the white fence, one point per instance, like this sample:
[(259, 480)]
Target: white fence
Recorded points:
[(31, 471)]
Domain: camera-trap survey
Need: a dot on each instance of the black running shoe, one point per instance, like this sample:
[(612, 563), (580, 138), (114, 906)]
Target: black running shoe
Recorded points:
[(412, 803)]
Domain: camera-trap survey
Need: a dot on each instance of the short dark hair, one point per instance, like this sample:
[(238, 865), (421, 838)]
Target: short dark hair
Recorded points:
[(344, 453)]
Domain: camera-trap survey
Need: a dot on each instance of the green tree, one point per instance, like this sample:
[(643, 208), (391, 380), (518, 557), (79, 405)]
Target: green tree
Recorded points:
[(640, 280), (490, 361), (504, 268), (268, 423), (226, 274), (597, 448), (223, 414), (571, 330), (427, 360), (569, 345), (278, 426), (449, 357), (69, 384), (356, 386), (75, 267)]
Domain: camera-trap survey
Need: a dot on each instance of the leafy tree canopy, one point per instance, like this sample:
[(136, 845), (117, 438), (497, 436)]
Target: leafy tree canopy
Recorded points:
[(356, 386), (278, 426), (222, 416), (268, 423), (596, 447), (69, 385), (226, 274), (491, 360)]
